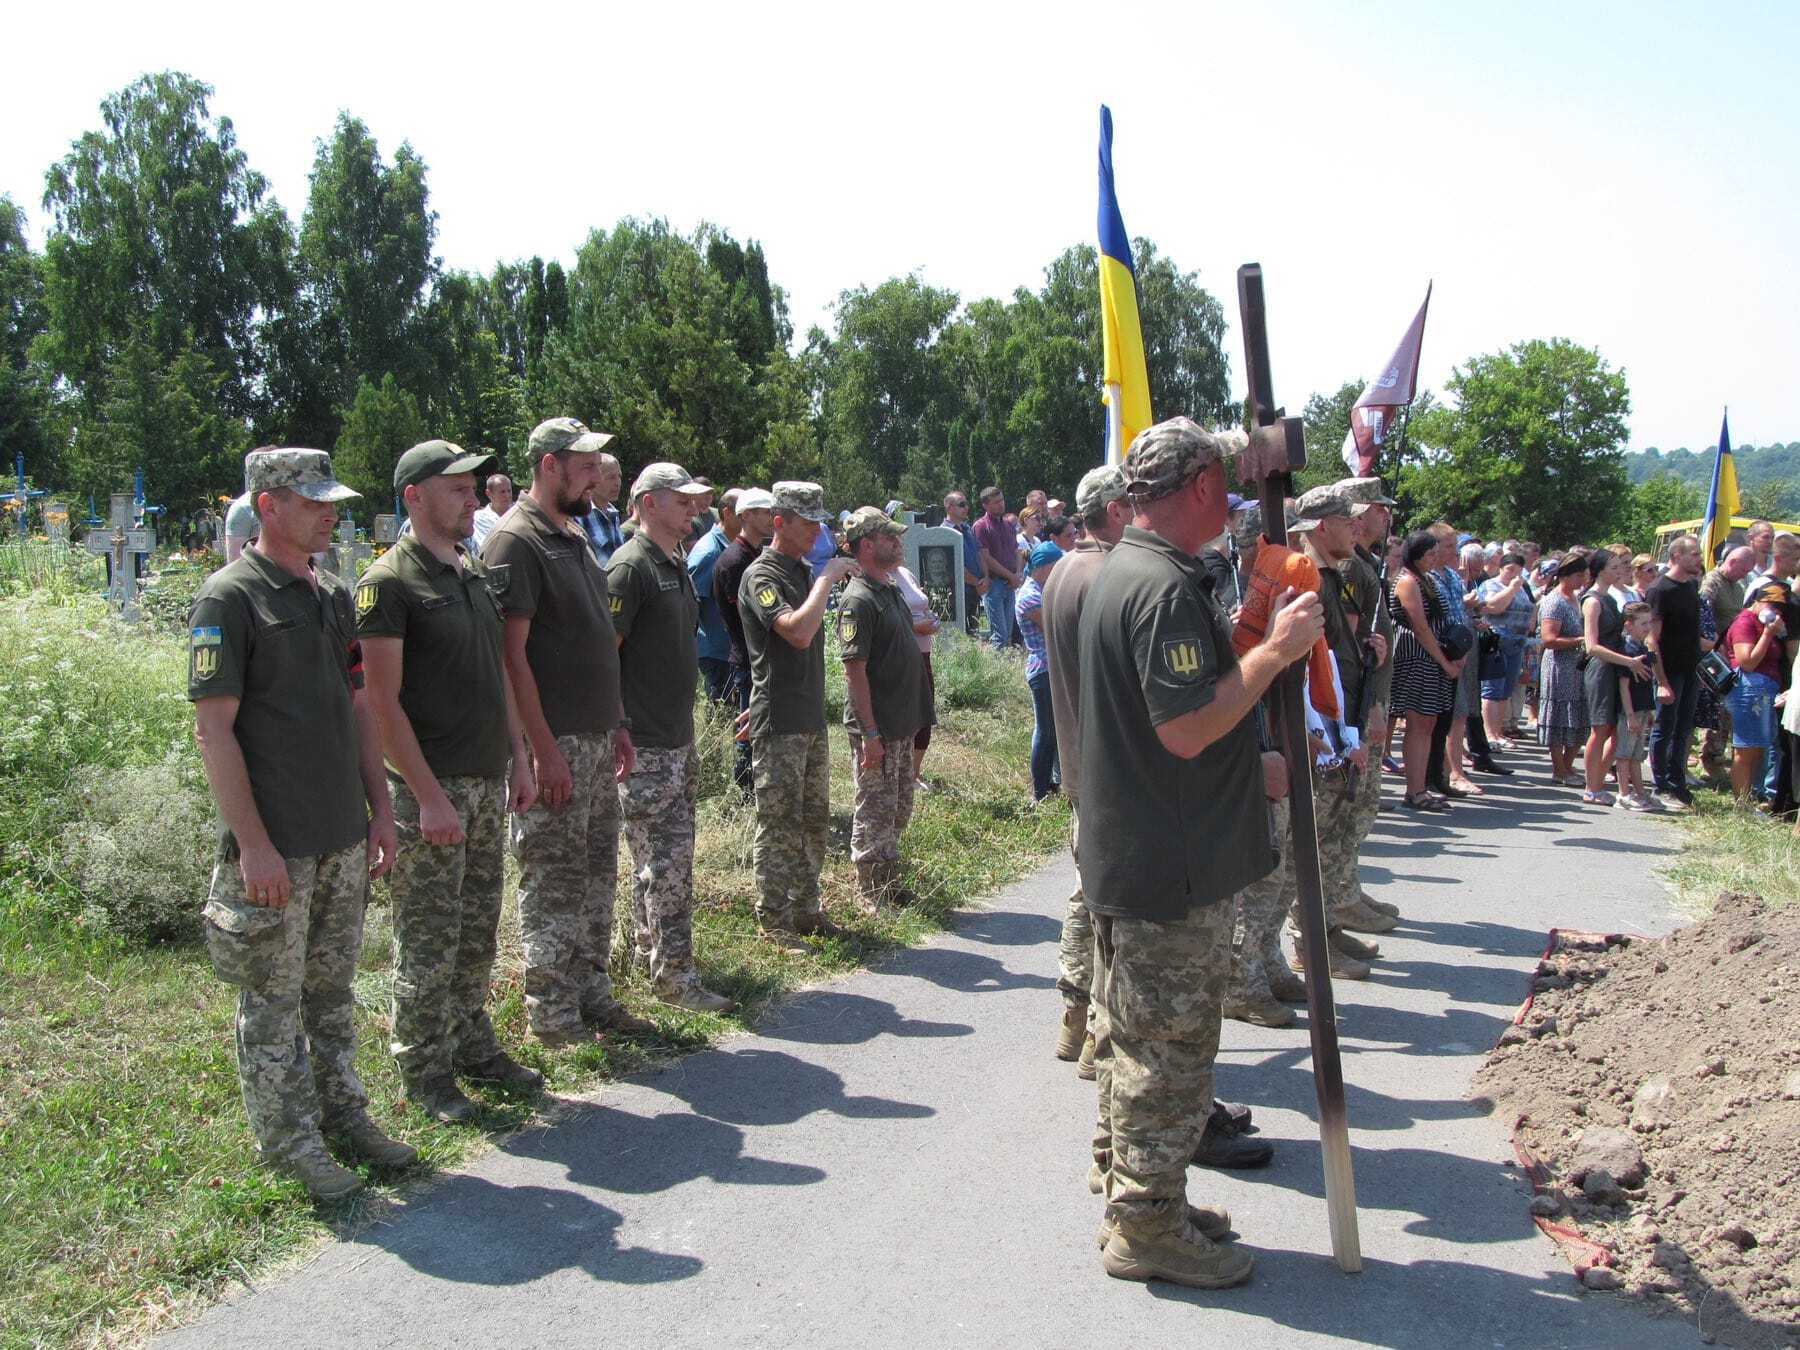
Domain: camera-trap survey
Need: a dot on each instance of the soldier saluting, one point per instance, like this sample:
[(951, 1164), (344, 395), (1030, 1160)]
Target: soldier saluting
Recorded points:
[(431, 629), (294, 763)]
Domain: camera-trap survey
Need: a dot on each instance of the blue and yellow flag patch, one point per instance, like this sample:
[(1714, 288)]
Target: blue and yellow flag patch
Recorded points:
[(204, 646)]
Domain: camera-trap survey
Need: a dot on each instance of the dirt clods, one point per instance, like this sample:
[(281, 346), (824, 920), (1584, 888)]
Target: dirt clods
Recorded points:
[(1659, 1081)]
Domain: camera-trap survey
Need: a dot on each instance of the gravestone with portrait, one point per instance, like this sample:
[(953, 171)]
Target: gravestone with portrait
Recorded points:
[(934, 556)]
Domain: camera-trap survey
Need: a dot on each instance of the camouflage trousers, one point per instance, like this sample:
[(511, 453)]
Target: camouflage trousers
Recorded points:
[(1158, 988), (884, 801), (658, 802), (446, 911), (1368, 784), (792, 773), (568, 884), (1257, 912), (296, 1023), (1075, 957), (1334, 811)]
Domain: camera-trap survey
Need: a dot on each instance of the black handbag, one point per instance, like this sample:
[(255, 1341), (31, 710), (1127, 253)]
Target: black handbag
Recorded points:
[(1456, 639), (1718, 674)]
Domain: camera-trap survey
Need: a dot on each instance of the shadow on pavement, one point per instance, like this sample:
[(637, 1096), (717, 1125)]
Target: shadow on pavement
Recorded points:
[(834, 1017), (1007, 928), (471, 1231), (753, 1086)]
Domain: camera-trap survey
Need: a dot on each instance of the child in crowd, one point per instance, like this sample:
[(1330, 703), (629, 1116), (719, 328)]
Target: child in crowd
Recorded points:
[(1637, 705)]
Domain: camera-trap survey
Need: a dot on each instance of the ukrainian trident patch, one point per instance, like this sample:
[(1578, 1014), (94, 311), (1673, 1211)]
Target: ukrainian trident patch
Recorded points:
[(1183, 659), (204, 645)]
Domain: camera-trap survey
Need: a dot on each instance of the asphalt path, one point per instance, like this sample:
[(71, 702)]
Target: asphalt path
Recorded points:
[(896, 1158)]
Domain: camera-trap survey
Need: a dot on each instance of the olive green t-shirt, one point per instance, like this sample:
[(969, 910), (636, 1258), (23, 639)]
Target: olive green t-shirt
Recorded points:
[(656, 613), (549, 575), (1362, 576), (452, 677), (787, 685), (1161, 834), (875, 626), (288, 654)]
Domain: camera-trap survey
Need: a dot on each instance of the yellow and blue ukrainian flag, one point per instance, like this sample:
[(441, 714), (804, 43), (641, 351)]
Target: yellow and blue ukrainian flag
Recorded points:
[(1125, 378), (1722, 502)]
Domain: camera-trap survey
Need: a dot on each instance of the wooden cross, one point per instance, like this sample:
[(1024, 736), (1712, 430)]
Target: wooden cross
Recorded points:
[(1272, 429)]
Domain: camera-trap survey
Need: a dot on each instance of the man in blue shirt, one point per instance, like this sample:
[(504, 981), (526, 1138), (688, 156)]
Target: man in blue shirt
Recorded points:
[(714, 641), (602, 525)]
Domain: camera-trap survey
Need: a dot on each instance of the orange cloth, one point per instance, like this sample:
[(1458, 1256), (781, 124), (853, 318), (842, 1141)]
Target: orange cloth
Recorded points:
[(1279, 569)]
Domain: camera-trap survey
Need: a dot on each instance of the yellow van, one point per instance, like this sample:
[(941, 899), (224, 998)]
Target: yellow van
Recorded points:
[(1740, 525)]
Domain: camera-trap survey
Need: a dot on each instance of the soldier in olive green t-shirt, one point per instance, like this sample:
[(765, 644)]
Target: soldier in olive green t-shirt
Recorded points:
[(294, 763), (885, 672), (655, 614), (783, 610), (432, 630)]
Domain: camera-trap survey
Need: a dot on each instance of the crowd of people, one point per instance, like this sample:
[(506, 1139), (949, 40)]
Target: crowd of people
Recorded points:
[(524, 676)]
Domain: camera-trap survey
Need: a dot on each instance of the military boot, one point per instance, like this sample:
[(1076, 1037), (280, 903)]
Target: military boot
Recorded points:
[(1085, 1067), (1073, 1031), (1259, 1009), (615, 1016), (1342, 967), (1212, 1221), (685, 991), (1361, 918), (1381, 906), (324, 1180), (868, 886), (503, 1069), (1353, 947), (780, 935), (442, 1100), (364, 1138), (1180, 1254), (893, 892), (814, 924)]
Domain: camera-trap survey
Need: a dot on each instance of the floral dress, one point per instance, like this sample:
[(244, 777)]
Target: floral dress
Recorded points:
[(1562, 702)]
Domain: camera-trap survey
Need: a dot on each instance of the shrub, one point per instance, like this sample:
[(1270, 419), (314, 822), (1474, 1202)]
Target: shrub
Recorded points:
[(141, 852)]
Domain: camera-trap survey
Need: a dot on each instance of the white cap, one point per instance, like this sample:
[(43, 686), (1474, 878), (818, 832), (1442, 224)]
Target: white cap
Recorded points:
[(756, 499)]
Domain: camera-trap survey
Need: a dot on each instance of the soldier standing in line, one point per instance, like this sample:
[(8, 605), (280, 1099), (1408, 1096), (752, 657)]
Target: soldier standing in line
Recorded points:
[(783, 612), (431, 630), (294, 762), (562, 661), (1104, 511), (1373, 514), (654, 614), (885, 672), (1166, 723), (1327, 535), (756, 522)]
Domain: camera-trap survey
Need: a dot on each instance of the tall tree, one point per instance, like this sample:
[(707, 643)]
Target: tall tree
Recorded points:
[(24, 387), (163, 236), (887, 395), (366, 261), (383, 423), (1534, 447), (650, 350)]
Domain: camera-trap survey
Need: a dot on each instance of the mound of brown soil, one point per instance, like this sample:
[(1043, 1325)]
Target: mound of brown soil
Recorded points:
[(1658, 1081)]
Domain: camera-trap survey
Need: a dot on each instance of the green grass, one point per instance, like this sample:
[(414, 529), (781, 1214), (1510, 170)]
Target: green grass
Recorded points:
[(125, 1161), (1726, 847)]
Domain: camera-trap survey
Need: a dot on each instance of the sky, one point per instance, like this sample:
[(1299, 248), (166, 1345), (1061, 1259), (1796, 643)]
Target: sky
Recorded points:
[(1622, 175)]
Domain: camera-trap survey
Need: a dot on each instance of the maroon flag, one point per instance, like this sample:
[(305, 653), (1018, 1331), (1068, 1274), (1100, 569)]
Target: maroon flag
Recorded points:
[(1388, 394)]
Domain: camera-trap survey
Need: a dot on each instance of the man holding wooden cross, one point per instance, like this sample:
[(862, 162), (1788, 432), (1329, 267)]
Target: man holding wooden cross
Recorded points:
[(1174, 823)]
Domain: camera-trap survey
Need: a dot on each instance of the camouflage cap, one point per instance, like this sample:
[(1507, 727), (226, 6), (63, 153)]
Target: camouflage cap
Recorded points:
[(1321, 503), (801, 501), (1246, 526), (592, 442), (1169, 455), (432, 459), (558, 433), (656, 477), (868, 520), (1098, 487), (1364, 492), (307, 472)]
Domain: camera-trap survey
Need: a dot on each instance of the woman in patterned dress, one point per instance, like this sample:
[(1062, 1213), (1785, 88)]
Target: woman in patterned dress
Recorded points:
[(1562, 701)]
